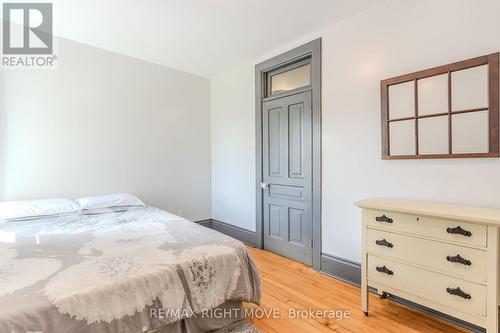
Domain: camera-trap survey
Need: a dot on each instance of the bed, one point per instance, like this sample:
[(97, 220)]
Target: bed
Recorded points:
[(138, 270)]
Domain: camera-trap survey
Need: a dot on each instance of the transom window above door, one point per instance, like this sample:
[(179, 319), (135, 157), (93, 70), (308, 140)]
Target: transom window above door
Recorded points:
[(295, 76)]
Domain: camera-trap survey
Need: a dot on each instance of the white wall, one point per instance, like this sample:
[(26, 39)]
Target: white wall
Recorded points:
[(233, 148), (396, 37), (103, 123)]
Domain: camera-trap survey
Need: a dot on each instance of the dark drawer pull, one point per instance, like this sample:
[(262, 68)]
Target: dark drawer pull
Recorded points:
[(383, 242), (383, 218), (385, 270), (458, 292), (459, 231), (458, 258)]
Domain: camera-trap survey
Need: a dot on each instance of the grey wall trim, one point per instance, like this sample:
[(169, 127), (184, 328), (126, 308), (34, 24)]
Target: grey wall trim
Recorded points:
[(437, 314), (312, 50), (350, 272), (206, 223), (246, 236), (342, 269)]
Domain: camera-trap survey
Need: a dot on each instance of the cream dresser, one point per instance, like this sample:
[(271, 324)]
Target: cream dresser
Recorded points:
[(441, 256)]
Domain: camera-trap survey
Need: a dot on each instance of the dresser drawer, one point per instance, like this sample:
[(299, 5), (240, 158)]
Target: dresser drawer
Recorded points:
[(446, 230), (462, 262), (435, 287)]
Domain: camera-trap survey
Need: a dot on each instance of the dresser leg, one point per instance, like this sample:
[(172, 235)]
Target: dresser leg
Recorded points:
[(364, 275), (364, 298), (492, 324), (364, 291), (492, 328), (492, 298)]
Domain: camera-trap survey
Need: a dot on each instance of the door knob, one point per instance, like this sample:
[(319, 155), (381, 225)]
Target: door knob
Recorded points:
[(264, 185)]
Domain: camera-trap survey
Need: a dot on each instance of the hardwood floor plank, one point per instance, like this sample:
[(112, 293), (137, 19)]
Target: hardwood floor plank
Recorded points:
[(287, 284)]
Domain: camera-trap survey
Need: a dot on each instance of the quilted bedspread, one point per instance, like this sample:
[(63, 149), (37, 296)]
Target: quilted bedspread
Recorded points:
[(106, 272)]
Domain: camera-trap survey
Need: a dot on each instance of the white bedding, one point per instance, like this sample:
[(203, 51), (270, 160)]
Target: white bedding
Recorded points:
[(104, 272)]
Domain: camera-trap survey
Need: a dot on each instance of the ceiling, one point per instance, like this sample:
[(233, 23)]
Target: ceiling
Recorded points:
[(203, 37)]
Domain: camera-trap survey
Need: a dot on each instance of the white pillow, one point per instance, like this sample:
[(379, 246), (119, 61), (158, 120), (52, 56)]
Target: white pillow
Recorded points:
[(29, 209), (110, 201)]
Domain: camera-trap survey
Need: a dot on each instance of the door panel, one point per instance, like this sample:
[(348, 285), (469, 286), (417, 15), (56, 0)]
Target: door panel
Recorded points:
[(275, 221), (296, 138), (287, 159), (296, 217), (275, 142), (286, 192)]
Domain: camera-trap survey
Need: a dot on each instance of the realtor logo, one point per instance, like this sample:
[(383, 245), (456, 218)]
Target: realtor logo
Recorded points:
[(27, 30)]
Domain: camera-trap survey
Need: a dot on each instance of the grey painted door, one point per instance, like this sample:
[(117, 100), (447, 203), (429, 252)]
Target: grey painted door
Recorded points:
[(287, 182)]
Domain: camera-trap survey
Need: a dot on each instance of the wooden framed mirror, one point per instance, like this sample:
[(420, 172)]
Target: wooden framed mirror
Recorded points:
[(451, 111)]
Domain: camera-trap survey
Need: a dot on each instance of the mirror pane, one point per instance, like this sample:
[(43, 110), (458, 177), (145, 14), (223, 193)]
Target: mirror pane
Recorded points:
[(469, 88), (402, 137), (292, 79), (402, 100), (433, 95), (433, 135), (470, 132)]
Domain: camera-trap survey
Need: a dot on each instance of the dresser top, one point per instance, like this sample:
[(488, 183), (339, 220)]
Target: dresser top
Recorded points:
[(441, 210)]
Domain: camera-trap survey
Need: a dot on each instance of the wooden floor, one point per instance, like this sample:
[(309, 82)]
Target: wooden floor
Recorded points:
[(287, 284)]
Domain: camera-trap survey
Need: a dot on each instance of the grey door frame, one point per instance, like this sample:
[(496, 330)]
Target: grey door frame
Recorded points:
[(311, 50)]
